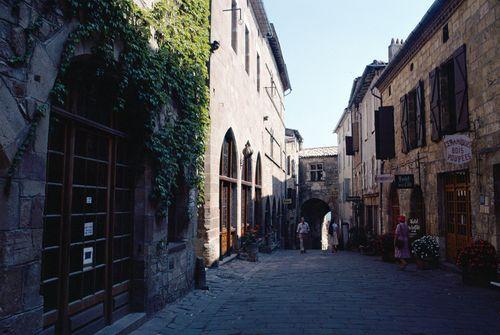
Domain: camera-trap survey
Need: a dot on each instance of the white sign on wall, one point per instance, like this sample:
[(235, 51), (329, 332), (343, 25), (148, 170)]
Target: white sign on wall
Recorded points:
[(458, 149)]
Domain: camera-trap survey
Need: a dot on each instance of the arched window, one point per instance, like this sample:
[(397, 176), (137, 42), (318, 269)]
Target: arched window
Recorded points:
[(394, 206), (258, 197), (246, 189), (417, 217), (227, 195)]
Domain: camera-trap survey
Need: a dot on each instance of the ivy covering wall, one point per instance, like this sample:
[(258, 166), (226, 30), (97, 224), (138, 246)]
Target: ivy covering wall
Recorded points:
[(163, 63)]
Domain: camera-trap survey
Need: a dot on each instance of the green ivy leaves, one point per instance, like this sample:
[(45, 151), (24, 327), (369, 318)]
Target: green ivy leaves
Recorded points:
[(175, 71)]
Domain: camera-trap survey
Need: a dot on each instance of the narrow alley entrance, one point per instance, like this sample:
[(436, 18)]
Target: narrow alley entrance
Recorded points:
[(314, 211)]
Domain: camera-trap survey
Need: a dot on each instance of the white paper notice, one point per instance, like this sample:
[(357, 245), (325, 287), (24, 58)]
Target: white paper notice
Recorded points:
[(88, 229)]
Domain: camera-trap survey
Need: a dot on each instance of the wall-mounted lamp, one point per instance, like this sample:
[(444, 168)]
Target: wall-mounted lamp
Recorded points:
[(240, 21), (214, 46)]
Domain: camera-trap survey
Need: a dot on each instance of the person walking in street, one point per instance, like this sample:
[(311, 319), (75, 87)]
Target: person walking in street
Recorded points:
[(333, 236), (303, 231), (401, 244)]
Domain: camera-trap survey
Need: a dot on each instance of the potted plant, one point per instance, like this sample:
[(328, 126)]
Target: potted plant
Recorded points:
[(249, 245), (478, 262), (426, 252), (385, 245)]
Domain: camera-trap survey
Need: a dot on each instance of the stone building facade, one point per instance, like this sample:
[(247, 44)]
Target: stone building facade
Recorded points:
[(362, 105), (54, 276), (442, 91), (293, 145), (245, 159), (344, 139), (318, 190)]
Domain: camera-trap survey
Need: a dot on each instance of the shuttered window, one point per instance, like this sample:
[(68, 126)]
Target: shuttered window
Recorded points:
[(413, 119), (349, 146), (449, 96), (355, 136), (384, 132)]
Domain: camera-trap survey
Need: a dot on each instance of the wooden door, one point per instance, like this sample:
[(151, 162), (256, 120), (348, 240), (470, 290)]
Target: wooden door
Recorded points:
[(394, 208), (87, 241), (225, 218), (457, 212), (496, 181)]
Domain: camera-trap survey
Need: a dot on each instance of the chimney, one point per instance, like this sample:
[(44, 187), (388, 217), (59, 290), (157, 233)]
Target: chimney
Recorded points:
[(394, 48)]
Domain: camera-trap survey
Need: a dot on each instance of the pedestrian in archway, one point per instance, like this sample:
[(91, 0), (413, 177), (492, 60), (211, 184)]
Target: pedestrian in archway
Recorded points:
[(303, 231), (401, 247), (333, 236)]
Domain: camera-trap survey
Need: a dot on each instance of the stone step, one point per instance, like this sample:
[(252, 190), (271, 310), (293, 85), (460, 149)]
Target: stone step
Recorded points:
[(125, 325)]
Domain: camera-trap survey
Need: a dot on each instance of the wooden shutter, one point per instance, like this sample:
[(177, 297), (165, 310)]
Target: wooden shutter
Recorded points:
[(404, 124), (420, 109), (355, 135), (446, 98), (384, 133), (461, 96), (435, 107), (349, 146)]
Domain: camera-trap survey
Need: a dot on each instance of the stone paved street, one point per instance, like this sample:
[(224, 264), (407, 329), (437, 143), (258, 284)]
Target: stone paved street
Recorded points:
[(318, 293)]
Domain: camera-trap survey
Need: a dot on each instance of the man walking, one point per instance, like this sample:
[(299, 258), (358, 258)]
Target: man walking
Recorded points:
[(333, 236), (302, 230)]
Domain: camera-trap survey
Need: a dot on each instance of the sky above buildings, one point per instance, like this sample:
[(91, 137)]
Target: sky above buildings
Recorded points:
[(326, 44)]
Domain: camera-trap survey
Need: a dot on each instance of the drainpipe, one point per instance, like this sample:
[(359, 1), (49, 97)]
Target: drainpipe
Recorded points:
[(381, 185)]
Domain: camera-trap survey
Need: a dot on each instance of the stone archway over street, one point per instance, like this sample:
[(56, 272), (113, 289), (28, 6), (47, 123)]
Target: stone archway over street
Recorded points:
[(314, 211)]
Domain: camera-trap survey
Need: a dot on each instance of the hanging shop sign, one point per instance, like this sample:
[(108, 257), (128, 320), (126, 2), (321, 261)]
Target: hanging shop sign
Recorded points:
[(404, 181), (384, 178), (414, 227), (458, 149), (353, 198)]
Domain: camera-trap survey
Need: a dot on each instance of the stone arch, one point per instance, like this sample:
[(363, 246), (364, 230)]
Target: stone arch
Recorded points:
[(257, 221), (417, 211), (314, 211), (228, 186), (393, 207)]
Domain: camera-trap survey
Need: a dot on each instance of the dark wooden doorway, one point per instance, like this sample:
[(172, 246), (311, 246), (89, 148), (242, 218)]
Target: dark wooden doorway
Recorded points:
[(457, 212), (496, 186), (394, 207), (88, 216), (227, 198), (87, 245)]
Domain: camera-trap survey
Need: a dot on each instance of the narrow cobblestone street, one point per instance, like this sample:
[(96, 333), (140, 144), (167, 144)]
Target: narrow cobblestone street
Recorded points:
[(318, 293)]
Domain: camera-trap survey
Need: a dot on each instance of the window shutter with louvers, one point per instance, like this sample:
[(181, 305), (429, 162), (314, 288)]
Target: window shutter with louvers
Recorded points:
[(435, 108), (404, 124), (461, 96), (384, 133), (355, 135), (349, 146), (420, 106)]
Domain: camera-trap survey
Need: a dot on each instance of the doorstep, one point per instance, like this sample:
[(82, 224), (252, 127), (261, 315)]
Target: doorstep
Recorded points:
[(228, 259), (125, 325)]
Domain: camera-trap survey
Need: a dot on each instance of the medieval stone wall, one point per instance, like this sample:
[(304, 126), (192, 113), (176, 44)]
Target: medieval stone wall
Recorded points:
[(326, 189), (161, 273), (472, 24), (249, 113)]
